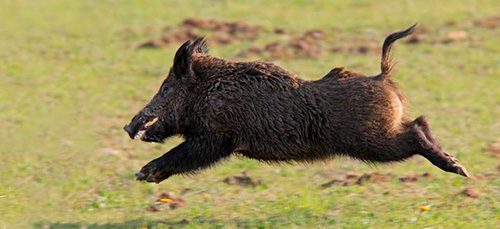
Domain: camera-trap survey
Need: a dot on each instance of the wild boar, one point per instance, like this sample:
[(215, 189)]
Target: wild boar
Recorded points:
[(264, 112)]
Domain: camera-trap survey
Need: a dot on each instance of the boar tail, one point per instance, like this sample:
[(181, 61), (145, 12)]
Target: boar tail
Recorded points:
[(386, 64)]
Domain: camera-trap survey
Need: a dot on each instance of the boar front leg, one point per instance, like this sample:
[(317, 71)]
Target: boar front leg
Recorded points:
[(190, 156)]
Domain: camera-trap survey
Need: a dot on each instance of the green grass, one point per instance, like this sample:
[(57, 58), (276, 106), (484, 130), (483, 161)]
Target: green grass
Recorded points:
[(69, 80)]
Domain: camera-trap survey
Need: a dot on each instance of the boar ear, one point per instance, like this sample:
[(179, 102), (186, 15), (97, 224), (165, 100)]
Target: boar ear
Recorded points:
[(181, 60), (183, 56)]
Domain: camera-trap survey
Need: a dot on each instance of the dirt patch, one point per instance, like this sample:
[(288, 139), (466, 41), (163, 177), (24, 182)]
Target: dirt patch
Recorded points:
[(414, 177), (354, 178), (238, 30), (373, 178), (153, 208), (489, 22), (164, 202), (470, 192), (454, 36), (335, 182), (359, 47), (350, 179), (279, 31), (251, 51), (173, 203), (307, 45), (424, 35), (276, 50), (152, 43), (216, 32), (484, 176), (243, 180), (494, 148)]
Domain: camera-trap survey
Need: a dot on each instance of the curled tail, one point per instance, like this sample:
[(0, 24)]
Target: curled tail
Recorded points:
[(386, 64)]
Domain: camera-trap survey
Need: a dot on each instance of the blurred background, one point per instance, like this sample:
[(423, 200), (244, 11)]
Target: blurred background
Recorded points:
[(72, 73)]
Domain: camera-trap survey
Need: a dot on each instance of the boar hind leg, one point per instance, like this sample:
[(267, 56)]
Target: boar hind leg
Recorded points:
[(430, 149), (190, 156)]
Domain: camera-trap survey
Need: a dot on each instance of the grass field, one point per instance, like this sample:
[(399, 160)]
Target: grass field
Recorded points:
[(70, 79)]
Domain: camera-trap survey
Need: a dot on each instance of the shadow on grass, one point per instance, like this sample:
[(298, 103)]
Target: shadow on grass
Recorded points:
[(269, 222), (137, 223)]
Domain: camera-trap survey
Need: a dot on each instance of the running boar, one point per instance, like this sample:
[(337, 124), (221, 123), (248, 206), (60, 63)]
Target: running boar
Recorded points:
[(264, 112)]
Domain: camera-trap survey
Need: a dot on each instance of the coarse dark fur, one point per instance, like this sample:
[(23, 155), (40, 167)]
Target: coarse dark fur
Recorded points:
[(264, 112)]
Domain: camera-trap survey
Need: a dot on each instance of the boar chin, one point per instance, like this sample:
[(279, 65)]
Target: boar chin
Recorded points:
[(156, 133)]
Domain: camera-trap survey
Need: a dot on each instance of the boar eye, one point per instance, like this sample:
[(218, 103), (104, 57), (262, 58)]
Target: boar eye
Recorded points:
[(164, 89)]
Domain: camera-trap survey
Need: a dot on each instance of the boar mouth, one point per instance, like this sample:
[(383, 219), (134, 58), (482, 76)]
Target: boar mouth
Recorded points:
[(145, 126)]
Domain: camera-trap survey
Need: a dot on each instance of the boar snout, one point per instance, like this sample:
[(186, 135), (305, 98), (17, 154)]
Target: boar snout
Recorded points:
[(138, 126), (130, 130)]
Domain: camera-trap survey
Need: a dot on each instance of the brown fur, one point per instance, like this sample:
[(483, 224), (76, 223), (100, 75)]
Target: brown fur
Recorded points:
[(265, 112)]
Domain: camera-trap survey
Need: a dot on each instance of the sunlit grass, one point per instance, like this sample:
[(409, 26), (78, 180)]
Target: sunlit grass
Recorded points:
[(69, 81)]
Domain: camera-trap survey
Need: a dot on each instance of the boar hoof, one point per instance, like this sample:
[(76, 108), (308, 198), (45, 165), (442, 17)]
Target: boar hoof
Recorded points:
[(151, 173), (141, 176), (462, 171), (455, 167)]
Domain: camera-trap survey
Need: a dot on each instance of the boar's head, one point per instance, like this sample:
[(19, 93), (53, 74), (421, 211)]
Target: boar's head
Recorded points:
[(159, 119)]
